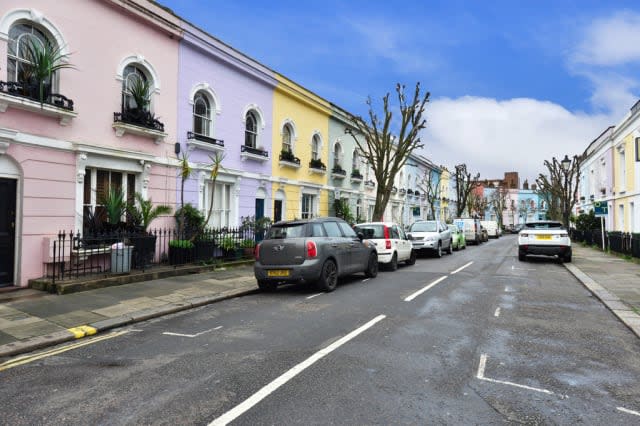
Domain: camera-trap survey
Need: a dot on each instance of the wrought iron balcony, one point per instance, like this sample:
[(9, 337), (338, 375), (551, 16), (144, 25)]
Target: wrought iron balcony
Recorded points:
[(289, 157), (403, 191), (337, 170), (416, 193), (32, 92), (139, 118), (410, 191), (317, 164), (356, 175), (370, 183), (254, 151), (203, 138)]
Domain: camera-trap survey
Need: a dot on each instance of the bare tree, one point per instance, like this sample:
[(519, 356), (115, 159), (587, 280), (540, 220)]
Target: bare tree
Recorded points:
[(498, 200), (429, 185), (477, 203), (559, 188), (385, 154), (465, 184)]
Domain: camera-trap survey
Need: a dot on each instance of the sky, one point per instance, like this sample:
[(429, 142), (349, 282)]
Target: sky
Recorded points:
[(511, 83)]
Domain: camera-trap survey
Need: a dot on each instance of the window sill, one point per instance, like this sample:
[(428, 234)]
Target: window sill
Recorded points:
[(194, 143), (255, 157), (65, 116), (313, 170), (122, 128), (356, 180), (289, 164)]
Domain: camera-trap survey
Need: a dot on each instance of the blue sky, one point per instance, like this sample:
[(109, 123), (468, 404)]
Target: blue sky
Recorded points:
[(512, 82)]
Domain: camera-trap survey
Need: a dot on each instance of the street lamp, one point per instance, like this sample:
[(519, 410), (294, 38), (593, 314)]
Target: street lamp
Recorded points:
[(565, 163)]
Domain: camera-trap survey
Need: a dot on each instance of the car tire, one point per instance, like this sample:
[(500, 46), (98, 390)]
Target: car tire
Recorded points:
[(464, 246), (372, 266), (450, 249), (522, 257), (412, 258), (439, 250), (267, 286), (328, 276), (567, 258), (393, 265)]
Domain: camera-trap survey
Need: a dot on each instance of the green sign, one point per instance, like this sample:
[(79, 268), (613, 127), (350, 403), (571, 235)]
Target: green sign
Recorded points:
[(600, 208)]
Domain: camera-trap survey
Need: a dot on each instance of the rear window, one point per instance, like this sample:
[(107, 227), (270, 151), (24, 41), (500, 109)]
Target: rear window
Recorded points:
[(286, 231), (371, 231), (544, 225), (424, 227)]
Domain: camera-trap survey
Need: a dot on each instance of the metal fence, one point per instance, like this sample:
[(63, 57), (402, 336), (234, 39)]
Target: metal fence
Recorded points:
[(616, 241), (74, 255)]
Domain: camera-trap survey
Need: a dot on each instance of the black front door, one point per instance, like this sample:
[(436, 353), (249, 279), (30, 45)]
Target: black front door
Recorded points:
[(7, 230), (277, 210)]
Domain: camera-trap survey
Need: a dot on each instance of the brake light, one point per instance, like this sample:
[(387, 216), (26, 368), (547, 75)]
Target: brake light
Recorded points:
[(312, 249), (256, 252), (387, 242)]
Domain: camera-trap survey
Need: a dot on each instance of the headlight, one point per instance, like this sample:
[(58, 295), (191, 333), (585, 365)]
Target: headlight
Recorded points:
[(431, 238)]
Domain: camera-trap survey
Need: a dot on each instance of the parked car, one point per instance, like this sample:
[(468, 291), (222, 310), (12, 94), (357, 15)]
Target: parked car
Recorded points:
[(517, 228), (549, 238), (392, 244), (484, 235), (493, 230), (316, 251), (457, 238), (431, 235), (471, 229)]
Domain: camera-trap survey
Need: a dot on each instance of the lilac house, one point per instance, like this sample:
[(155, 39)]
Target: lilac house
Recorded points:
[(224, 108)]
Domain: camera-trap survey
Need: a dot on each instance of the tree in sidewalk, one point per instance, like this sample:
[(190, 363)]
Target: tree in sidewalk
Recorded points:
[(498, 200), (465, 185), (559, 187), (386, 154)]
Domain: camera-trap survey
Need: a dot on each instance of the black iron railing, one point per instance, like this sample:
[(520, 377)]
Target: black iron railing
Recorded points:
[(203, 138), (370, 183), (254, 151), (356, 175), (317, 164), (32, 92), (289, 157), (620, 242), (139, 118), (339, 171)]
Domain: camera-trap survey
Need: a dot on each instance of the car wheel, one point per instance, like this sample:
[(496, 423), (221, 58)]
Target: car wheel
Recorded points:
[(464, 246), (328, 277), (439, 249), (372, 266), (450, 249), (412, 258), (477, 242), (567, 258), (522, 257), (267, 286), (393, 265)]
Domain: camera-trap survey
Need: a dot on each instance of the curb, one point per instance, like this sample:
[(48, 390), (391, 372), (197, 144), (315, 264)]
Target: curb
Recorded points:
[(39, 342), (611, 301)]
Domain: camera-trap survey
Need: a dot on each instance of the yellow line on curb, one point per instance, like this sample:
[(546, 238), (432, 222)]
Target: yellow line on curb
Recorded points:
[(30, 358), (83, 330)]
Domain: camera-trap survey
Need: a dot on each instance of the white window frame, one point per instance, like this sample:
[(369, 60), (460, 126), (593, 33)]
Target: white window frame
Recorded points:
[(337, 155), (251, 133), (207, 117), (316, 143)]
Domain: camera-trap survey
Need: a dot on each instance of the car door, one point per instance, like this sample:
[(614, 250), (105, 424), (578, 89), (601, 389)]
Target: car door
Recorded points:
[(445, 235), (337, 245), (358, 252), (404, 245)]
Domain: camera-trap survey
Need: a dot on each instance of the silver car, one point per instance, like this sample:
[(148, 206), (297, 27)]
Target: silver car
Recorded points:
[(432, 235), (312, 251)]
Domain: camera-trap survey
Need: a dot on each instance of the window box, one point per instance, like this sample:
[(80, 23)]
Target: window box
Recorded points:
[(317, 166), (394, 190), (15, 95), (138, 123), (370, 184), (205, 142), (338, 173), (287, 159), (403, 191), (250, 153), (356, 176)]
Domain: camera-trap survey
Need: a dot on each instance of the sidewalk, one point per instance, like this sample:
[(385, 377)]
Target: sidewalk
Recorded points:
[(44, 319)]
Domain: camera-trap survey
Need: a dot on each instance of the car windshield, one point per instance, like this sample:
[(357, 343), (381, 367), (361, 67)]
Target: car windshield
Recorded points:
[(371, 231), (453, 228), (423, 227), (295, 230), (544, 225)]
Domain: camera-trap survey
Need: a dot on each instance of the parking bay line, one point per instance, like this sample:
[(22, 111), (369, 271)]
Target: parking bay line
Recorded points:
[(480, 375), (314, 295), (265, 391), (626, 410), (168, 333), (419, 292), (461, 268)]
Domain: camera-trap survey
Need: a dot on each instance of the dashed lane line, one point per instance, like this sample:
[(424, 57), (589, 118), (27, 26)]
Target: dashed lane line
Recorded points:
[(419, 292), (461, 268), (314, 295), (168, 333), (626, 410), (497, 313)]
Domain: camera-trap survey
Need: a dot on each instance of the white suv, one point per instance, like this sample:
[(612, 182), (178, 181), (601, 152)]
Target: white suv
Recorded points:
[(392, 244), (549, 238)]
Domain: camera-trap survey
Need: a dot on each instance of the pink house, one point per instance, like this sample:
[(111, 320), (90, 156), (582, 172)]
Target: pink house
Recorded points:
[(58, 155)]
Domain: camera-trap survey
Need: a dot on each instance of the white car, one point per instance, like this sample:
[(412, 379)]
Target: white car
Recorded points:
[(493, 230), (392, 244), (548, 237), (432, 235)]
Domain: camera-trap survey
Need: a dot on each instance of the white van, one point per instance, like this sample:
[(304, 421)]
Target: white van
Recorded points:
[(471, 229), (492, 228)]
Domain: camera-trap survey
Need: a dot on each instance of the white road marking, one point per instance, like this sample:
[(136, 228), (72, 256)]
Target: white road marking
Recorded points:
[(419, 292), (624, 410), (480, 375), (461, 268), (168, 333), (521, 269), (365, 280), (314, 295), (254, 399), (497, 313)]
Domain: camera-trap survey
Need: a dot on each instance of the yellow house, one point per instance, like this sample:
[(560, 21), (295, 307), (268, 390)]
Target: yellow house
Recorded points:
[(300, 152), (445, 196), (626, 185)]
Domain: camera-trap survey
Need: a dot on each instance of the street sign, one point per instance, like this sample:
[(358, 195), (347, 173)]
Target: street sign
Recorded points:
[(600, 208)]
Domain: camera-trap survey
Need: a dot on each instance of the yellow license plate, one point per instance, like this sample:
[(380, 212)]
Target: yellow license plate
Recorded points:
[(543, 237), (278, 273)]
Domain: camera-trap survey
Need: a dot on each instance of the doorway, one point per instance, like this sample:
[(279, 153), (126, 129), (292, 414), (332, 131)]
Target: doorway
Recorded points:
[(7, 231), (277, 210)]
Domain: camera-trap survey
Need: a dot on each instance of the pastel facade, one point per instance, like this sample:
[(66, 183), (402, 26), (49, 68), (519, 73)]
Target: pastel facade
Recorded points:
[(55, 159), (225, 102), (300, 133), (625, 205)]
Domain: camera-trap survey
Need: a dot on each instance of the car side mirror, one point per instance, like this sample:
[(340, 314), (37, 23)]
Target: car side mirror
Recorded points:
[(360, 236)]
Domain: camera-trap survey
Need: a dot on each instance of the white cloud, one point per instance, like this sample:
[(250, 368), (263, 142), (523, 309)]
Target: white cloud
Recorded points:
[(609, 41), (493, 137)]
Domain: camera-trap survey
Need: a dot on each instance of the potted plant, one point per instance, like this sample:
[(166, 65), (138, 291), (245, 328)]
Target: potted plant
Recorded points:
[(115, 207), (248, 247), (140, 91), (45, 58), (181, 252), (141, 216), (229, 247)]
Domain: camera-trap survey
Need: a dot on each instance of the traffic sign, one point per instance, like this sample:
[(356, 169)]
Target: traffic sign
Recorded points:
[(600, 208)]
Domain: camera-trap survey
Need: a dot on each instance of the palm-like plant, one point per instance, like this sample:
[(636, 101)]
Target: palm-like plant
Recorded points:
[(140, 90), (145, 212), (114, 204), (45, 58)]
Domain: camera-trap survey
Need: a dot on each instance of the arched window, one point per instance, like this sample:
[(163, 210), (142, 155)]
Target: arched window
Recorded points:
[(251, 130), (286, 139), (136, 89), (315, 147), (201, 115), (19, 63), (337, 156), (355, 161)]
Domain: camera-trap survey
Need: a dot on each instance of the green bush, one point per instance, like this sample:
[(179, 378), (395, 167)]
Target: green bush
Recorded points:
[(186, 244)]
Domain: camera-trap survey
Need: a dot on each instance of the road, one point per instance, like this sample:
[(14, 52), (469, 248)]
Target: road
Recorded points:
[(476, 337)]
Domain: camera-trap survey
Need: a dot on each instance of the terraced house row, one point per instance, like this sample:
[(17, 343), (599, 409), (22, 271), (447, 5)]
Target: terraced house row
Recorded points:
[(143, 87)]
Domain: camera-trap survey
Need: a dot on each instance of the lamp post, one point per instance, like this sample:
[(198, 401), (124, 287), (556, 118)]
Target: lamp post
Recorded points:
[(566, 165)]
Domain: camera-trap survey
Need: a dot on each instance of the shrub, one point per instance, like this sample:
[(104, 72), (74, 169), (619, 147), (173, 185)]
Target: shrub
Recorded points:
[(186, 244)]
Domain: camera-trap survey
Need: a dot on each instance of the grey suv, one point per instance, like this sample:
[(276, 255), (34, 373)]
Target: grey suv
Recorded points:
[(312, 250)]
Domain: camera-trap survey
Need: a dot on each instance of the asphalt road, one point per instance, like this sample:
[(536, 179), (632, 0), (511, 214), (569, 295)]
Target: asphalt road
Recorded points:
[(476, 337)]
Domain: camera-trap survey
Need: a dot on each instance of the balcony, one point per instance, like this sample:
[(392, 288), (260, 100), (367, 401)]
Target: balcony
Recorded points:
[(205, 142), (370, 184), (141, 123), (394, 190), (403, 191), (317, 166), (356, 176), (338, 172), (410, 192), (287, 159), (27, 98), (251, 153)]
